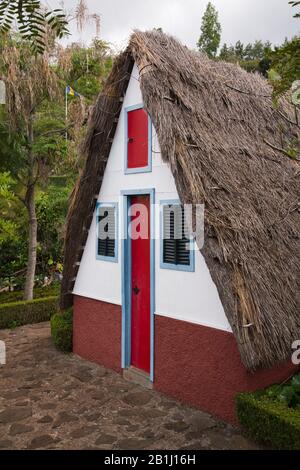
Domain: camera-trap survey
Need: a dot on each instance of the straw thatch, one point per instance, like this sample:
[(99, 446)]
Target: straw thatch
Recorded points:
[(219, 133)]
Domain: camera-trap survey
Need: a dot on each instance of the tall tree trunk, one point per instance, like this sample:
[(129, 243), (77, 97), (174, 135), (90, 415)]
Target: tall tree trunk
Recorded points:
[(32, 243), (32, 220)]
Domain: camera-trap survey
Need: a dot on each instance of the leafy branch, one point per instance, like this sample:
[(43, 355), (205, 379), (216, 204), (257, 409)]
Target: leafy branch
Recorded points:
[(295, 4), (32, 21)]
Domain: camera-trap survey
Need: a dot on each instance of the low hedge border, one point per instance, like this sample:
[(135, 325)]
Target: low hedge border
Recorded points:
[(38, 293), (15, 314), (268, 421)]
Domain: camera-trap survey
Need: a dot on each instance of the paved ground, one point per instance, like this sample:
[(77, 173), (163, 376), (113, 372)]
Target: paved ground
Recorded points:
[(56, 401)]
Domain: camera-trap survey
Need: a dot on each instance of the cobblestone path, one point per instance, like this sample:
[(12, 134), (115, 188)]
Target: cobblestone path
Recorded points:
[(49, 400)]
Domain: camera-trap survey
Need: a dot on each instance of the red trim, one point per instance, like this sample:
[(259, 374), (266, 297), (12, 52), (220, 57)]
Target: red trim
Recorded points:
[(202, 366), (97, 332)]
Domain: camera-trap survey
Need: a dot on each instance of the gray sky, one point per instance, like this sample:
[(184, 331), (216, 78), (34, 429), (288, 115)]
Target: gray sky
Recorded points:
[(246, 20)]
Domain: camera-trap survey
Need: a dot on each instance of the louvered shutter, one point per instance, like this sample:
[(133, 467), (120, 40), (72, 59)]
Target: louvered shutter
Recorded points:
[(106, 231), (175, 244)]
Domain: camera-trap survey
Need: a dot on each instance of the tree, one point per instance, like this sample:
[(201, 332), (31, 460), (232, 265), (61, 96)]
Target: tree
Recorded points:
[(239, 49), (248, 53), (32, 21), (210, 38), (85, 69), (227, 53), (285, 63), (34, 152), (258, 50), (252, 57), (8, 227), (30, 81), (35, 94), (284, 76), (51, 209), (224, 52)]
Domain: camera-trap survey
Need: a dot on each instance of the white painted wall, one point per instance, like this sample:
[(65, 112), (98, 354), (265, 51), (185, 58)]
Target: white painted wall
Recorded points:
[(187, 296)]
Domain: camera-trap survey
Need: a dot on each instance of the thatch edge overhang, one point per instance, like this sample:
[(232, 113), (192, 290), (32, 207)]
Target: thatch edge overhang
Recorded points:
[(96, 149), (214, 123)]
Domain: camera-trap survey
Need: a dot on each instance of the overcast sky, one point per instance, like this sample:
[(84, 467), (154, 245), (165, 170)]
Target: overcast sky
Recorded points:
[(246, 20)]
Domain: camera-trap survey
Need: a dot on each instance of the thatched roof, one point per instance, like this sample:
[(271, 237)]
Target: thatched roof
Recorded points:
[(219, 132)]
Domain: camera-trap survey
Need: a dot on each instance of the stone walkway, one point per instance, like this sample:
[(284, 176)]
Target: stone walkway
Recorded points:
[(49, 400)]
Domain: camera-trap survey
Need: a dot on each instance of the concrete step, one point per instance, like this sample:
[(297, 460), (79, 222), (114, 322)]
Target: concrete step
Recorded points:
[(138, 377)]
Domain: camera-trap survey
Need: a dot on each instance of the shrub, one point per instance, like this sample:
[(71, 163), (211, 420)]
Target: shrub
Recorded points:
[(62, 330), (289, 393), (269, 421), (15, 314)]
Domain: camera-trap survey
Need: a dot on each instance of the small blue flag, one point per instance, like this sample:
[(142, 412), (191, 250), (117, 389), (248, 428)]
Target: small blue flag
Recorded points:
[(71, 92)]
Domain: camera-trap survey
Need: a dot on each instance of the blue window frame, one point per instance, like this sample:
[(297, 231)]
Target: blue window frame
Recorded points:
[(173, 252), (144, 169), (107, 241)]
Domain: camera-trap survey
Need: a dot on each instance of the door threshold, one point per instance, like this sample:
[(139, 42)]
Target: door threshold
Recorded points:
[(137, 376)]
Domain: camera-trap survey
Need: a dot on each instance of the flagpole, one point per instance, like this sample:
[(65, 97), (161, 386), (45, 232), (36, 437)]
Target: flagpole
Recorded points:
[(66, 113)]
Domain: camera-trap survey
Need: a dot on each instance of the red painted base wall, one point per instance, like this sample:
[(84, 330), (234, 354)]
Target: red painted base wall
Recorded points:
[(97, 332), (195, 364), (202, 366)]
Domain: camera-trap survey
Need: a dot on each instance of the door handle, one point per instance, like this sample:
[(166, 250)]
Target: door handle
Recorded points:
[(136, 290)]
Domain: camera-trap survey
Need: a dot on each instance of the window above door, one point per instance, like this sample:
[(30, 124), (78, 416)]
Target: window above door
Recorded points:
[(138, 140)]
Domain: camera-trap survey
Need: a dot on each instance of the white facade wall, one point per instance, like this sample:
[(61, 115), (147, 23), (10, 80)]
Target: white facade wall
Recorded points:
[(188, 296)]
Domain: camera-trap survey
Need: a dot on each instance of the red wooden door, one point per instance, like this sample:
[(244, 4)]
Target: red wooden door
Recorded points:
[(137, 139), (140, 284)]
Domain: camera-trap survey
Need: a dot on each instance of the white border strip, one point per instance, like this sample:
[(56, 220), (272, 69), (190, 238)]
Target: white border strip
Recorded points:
[(107, 301), (193, 321)]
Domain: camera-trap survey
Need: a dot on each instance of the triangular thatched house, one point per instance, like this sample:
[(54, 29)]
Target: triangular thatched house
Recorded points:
[(175, 128)]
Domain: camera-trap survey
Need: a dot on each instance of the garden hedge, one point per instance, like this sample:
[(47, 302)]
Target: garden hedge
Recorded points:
[(62, 330), (270, 422), (15, 314), (39, 292)]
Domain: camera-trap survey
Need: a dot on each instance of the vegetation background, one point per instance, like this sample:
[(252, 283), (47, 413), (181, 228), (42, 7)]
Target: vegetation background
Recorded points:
[(39, 146)]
